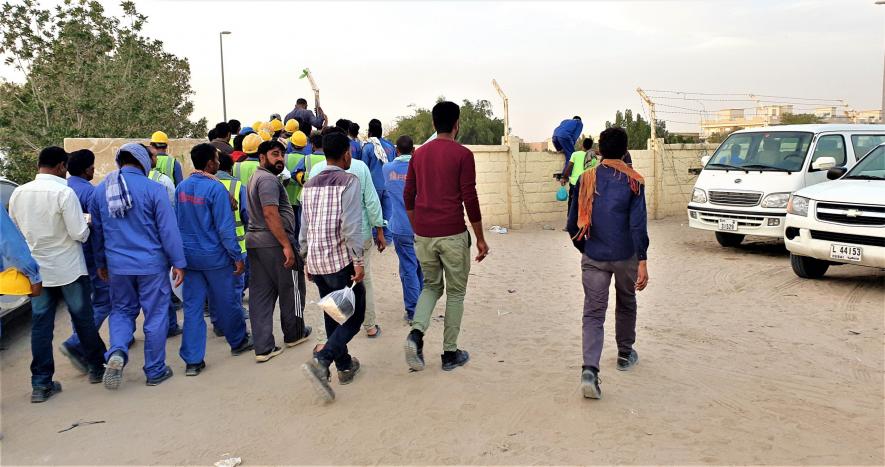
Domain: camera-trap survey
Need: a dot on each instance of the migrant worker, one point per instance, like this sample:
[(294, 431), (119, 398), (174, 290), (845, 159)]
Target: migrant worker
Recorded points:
[(81, 168), (299, 143), (332, 245), (565, 136), (580, 162), (306, 118), (235, 126), (293, 187), (237, 190), (373, 225), (440, 186), (375, 153), (304, 168), (277, 127), (353, 132), (162, 179), (270, 246), (136, 241), (14, 254), (607, 223), (403, 236), (48, 214), (291, 127), (214, 260), (222, 138), (244, 169), (166, 164)]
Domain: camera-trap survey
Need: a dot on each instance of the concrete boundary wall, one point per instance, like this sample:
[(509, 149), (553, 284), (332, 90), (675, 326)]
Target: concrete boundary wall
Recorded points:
[(516, 189)]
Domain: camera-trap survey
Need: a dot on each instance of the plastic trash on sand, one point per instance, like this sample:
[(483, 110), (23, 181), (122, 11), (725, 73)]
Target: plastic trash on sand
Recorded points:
[(498, 229), (340, 304), (229, 462)]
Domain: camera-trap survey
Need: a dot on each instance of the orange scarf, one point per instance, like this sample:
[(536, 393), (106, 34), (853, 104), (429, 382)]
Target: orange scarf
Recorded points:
[(588, 191)]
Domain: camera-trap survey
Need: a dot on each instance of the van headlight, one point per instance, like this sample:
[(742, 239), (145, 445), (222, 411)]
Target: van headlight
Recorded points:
[(776, 200), (798, 206), (698, 196)]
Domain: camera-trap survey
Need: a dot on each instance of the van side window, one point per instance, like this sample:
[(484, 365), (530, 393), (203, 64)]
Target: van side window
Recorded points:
[(865, 143), (830, 146)]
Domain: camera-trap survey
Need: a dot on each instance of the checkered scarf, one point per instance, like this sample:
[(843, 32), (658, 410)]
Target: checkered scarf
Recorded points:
[(117, 193)]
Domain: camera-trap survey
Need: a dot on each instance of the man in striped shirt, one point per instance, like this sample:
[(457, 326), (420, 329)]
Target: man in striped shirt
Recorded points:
[(331, 242)]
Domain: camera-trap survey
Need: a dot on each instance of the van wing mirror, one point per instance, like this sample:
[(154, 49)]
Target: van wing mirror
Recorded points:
[(836, 173), (705, 159), (824, 163)]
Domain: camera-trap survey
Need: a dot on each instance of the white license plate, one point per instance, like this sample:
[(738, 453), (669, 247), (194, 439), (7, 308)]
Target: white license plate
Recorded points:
[(730, 225), (845, 252)]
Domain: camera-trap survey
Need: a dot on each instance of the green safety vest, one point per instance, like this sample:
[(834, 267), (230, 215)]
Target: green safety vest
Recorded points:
[(154, 175), (309, 162), (234, 190), (293, 189), (166, 165), (243, 171)]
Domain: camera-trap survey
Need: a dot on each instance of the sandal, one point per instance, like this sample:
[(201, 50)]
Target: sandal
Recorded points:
[(377, 332)]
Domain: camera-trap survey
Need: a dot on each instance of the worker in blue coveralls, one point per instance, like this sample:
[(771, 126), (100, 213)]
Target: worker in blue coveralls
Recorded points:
[(214, 260), (135, 242), (81, 168), (565, 136), (376, 152), (237, 190), (401, 228)]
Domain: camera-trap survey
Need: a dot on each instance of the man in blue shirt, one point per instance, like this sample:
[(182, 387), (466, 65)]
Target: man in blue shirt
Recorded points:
[(306, 118), (14, 253), (376, 152), (81, 168), (353, 132), (208, 233), (400, 227), (136, 240), (608, 225), (566, 135)]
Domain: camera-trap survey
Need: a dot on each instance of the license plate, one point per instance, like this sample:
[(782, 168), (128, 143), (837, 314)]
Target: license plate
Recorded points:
[(845, 252), (728, 225)]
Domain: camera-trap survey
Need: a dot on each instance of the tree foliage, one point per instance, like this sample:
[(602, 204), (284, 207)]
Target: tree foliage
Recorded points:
[(478, 124), (720, 136), (799, 119), (86, 74), (638, 129)]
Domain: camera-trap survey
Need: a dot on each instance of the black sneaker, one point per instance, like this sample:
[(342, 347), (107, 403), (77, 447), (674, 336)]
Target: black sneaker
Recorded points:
[(42, 394), (346, 376), (415, 350), (96, 375), (113, 371), (452, 360), (261, 358), (76, 359), (307, 332), (627, 360), (193, 369), (174, 331), (244, 347), (159, 379), (317, 372), (590, 383)]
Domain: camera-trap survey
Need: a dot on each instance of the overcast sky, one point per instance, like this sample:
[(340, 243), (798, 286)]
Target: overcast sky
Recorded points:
[(553, 59)]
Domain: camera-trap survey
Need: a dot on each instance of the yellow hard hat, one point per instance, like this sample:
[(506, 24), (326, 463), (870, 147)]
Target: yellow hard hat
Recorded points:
[(292, 125), (13, 282), (257, 125), (276, 125), (264, 135), (159, 138), (250, 143), (298, 139)]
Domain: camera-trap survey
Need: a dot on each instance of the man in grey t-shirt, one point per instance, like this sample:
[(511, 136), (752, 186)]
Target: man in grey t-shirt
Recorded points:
[(270, 247)]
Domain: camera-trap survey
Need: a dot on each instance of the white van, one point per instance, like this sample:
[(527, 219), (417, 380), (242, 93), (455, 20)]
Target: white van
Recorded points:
[(745, 185)]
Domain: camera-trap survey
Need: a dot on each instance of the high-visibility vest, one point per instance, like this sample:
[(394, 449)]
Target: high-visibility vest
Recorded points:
[(166, 165), (233, 187), (309, 162), (243, 171), (293, 189), (154, 175)]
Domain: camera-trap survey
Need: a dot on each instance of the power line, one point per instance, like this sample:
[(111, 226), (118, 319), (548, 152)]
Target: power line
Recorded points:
[(744, 94)]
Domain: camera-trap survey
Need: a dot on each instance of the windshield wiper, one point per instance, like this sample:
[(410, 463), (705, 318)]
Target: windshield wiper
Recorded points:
[(864, 177), (727, 166), (765, 167)]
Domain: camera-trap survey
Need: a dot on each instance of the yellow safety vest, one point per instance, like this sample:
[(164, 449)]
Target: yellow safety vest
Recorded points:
[(309, 162), (243, 171), (166, 166), (233, 187), (154, 175), (293, 189)]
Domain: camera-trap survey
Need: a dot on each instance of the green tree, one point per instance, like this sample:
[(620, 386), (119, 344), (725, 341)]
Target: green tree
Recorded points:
[(799, 119), (478, 124), (638, 129), (720, 136), (86, 74)]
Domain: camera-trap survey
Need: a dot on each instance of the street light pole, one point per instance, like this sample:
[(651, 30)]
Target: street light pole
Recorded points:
[(223, 97)]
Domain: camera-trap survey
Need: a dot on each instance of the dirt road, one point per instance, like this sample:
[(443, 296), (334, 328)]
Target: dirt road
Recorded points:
[(741, 362)]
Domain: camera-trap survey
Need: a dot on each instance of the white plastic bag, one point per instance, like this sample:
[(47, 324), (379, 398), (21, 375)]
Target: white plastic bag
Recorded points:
[(340, 305)]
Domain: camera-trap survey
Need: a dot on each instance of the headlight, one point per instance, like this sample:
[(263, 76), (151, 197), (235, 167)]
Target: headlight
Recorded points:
[(776, 200), (698, 196), (798, 206)]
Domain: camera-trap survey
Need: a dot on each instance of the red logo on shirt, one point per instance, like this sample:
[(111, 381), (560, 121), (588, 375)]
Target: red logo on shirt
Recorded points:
[(190, 199)]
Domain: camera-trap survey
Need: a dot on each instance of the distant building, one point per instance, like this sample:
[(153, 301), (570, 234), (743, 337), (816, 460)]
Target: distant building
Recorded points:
[(729, 120)]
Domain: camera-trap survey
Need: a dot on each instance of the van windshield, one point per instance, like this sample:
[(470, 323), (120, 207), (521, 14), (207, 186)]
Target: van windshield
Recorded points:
[(871, 167), (765, 150)]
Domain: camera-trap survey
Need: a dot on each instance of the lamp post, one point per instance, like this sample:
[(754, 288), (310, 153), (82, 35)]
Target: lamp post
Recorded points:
[(221, 48)]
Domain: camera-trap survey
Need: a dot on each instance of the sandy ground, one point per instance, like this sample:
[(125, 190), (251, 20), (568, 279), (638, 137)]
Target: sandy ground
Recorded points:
[(741, 362)]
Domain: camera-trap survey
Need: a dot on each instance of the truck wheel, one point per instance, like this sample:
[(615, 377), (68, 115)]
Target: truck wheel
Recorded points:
[(808, 268), (729, 239)]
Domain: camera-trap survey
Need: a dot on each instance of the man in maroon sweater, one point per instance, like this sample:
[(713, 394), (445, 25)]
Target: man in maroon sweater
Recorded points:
[(440, 185)]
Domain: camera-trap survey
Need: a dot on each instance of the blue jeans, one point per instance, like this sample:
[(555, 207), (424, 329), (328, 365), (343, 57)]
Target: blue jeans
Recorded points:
[(76, 296), (409, 272), (340, 335), (101, 307), (129, 296), (567, 147)]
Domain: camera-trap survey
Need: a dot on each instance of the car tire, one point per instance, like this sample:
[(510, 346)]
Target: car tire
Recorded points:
[(729, 239), (808, 268)]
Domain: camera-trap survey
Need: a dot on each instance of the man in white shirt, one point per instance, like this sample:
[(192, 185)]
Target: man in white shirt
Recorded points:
[(49, 216)]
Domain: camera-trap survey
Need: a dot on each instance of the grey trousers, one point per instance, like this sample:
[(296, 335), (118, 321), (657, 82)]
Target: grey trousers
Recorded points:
[(269, 279), (596, 278)]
